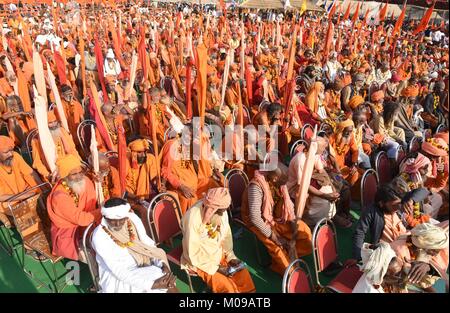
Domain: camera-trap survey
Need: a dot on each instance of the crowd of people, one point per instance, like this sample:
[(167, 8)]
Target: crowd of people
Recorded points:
[(101, 103)]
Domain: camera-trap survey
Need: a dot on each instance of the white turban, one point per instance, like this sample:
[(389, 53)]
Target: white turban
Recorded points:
[(110, 54), (376, 262), (116, 212), (429, 236)]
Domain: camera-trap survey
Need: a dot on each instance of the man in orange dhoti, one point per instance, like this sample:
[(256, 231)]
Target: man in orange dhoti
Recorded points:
[(180, 170), (269, 213), (208, 245), (71, 206), (108, 177), (63, 142)]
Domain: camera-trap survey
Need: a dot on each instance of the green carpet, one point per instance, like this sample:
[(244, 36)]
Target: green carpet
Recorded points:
[(13, 279)]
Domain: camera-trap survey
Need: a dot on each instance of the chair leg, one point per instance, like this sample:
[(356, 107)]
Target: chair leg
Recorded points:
[(190, 282)]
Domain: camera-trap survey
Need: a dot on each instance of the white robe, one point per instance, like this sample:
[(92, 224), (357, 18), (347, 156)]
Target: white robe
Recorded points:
[(118, 270)]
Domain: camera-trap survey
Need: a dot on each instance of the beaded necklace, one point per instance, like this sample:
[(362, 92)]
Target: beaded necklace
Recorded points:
[(75, 196), (213, 230), (435, 102), (112, 131), (184, 163), (131, 234)]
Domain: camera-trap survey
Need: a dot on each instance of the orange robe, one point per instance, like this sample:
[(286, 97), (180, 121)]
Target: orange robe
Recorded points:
[(340, 156), (213, 98), (69, 218), (111, 184), (280, 257), (177, 171), (74, 114), (15, 179), (139, 180)]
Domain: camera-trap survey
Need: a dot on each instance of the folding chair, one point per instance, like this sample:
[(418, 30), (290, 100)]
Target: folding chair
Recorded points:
[(415, 144), (369, 185), (164, 220), (89, 252), (297, 278), (382, 167), (30, 217), (307, 132), (84, 136), (325, 252), (299, 145)]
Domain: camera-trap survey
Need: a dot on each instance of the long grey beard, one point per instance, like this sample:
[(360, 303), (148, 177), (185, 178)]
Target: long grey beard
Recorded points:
[(78, 187)]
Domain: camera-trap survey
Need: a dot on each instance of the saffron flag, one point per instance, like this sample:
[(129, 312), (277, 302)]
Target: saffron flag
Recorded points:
[(399, 23), (383, 12), (425, 20), (356, 15)]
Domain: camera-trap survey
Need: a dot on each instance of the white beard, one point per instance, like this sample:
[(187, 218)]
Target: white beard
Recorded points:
[(78, 187)]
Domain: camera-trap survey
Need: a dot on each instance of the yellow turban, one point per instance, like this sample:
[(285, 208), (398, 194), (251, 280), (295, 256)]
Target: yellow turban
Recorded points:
[(344, 124), (428, 236), (66, 164), (217, 198), (356, 101), (139, 145)]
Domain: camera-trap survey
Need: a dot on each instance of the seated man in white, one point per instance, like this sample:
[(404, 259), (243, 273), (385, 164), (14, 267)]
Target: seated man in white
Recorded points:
[(128, 260)]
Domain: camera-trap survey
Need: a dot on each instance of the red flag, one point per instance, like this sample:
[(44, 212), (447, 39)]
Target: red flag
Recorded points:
[(61, 68), (356, 15), (328, 40), (347, 12), (333, 10), (99, 60), (383, 12), (392, 16), (425, 20), (399, 23), (122, 150), (188, 88), (364, 21)]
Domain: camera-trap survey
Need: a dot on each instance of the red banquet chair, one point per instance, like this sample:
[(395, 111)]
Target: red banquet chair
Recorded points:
[(298, 146), (325, 252), (383, 168), (164, 219), (297, 278), (307, 132), (236, 181), (369, 185), (415, 144), (401, 154)]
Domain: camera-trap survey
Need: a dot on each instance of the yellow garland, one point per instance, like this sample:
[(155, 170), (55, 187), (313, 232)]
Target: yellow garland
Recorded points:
[(213, 231), (74, 195), (130, 233), (433, 142)]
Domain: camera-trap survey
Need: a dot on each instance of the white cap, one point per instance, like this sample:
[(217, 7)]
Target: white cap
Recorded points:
[(116, 212), (12, 7), (110, 54)]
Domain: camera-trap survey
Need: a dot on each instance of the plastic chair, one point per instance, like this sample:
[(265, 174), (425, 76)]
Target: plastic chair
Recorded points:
[(369, 185), (90, 255), (325, 252), (382, 167), (164, 221), (297, 278)]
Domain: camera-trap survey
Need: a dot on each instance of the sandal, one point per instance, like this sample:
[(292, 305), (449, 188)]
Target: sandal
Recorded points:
[(342, 222), (35, 255)]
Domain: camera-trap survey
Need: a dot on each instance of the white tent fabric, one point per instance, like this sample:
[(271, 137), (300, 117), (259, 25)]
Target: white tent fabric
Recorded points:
[(279, 4)]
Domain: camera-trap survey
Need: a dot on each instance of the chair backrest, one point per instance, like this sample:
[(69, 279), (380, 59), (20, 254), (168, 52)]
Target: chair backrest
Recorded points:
[(427, 133), (90, 255), (382, 167), (307, 132), (297, 278), (326, 127), (84, 135), (415, 144), (263, 104), (441, 128), (325, 248), (369, 185), (401, 154), (236, 181), (164, 217), (31, 135), (169, 134), (297, 146)]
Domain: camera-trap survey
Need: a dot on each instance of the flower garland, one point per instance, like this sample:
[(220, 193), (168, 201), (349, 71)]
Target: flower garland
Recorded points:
[(412, 185), (112, 132), (184, 163), (436, 101), (340, 150), (131, 234), (74, 195), (433, 142), (213, 231)]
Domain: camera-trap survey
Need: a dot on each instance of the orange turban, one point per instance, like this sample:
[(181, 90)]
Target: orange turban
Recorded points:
[(377, 96), (66, 164), (51, 117), (28, 70), (443, 136), (217, 198), (6, 143), (435, 147), (344, 124), (356, 101), (410, 91), (139, 145)]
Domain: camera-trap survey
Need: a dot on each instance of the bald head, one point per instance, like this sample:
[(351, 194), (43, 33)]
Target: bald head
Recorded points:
[(103, 163), (107, 109)]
